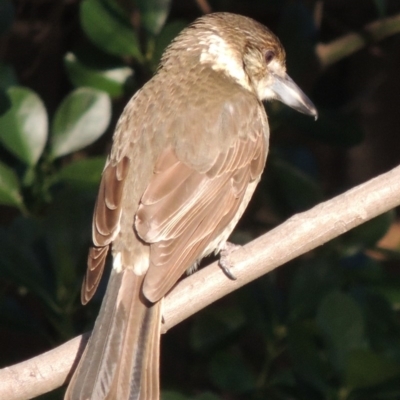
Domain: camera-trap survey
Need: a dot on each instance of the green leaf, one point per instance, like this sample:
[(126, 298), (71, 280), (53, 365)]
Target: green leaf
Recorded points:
[(20, 265), (23, 128), (7, 76), (361, 268), (83, 173), (206, 396), (5, 102), (9, 187), (153, 14), (312, 281), (108, 27), (308, 361), (170, 395), (111, 80), (298, 190), (381, 7), (229, 372), (67, 234), (81, 119), (6, 15), (382, 324), (214, 325), (391, 292), (367, 234), (366, 368), (341, 322), (7, 79)]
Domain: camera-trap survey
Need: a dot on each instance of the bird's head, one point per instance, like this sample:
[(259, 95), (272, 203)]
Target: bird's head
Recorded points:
[(245, 51)]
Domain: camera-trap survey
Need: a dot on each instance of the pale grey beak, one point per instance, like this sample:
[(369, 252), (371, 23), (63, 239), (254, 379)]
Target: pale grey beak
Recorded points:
[(290, 94)]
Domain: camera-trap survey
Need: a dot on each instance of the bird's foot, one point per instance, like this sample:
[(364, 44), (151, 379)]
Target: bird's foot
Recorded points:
[(224, 262)]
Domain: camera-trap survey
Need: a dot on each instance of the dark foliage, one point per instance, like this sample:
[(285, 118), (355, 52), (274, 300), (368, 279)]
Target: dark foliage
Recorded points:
[(326, 326)]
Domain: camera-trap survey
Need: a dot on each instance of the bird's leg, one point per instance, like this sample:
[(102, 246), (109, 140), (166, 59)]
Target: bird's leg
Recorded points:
[(224, 262)]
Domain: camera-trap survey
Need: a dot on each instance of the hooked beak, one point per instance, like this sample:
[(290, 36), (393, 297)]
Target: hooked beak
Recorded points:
[(289, 93)]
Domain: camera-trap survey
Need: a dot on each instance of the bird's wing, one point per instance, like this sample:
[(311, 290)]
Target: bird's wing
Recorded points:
[(106, 217), (185, 208), (123, 160), (195, 189)]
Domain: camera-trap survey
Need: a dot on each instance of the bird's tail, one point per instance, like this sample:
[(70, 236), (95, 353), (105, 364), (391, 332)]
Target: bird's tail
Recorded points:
[(121, 360)]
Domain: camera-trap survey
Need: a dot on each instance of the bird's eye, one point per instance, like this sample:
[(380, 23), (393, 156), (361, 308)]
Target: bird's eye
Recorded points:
[(269, 56)]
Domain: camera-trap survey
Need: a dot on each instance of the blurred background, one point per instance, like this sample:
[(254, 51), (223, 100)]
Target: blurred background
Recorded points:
[(324, 326)]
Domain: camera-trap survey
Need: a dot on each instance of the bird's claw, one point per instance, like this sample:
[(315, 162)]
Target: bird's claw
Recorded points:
[(224, 263)]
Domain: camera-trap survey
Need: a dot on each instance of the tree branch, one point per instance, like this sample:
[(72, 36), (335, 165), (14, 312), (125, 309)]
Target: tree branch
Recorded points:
[(346, 45), (296, 236), (204, 6)]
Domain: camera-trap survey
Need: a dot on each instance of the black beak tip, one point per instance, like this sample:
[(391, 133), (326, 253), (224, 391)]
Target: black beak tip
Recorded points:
[(310, 109), (307, 109), (315, 114)]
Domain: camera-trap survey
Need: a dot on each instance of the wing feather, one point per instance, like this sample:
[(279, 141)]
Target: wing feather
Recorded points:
[(183, 210), (191, 183), (107, 214), (167, 258)]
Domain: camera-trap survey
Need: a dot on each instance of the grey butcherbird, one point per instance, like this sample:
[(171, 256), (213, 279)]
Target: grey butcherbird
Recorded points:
[(188, 152)]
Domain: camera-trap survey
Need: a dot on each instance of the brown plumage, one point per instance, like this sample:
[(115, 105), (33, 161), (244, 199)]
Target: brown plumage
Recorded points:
[(188, 152)]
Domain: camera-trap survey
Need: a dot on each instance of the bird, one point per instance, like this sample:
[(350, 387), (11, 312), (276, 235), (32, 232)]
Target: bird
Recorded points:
[(188, 152)]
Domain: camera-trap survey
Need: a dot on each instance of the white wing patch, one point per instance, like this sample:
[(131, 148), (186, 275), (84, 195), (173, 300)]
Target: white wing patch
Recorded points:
[(117, 264)]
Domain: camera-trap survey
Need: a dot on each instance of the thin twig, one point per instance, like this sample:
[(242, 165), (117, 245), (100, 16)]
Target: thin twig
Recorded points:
[(204, 6), (346, 45)]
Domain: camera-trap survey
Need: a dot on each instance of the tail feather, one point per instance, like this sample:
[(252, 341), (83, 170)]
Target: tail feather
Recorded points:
[(150, 386), (121, 360)]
